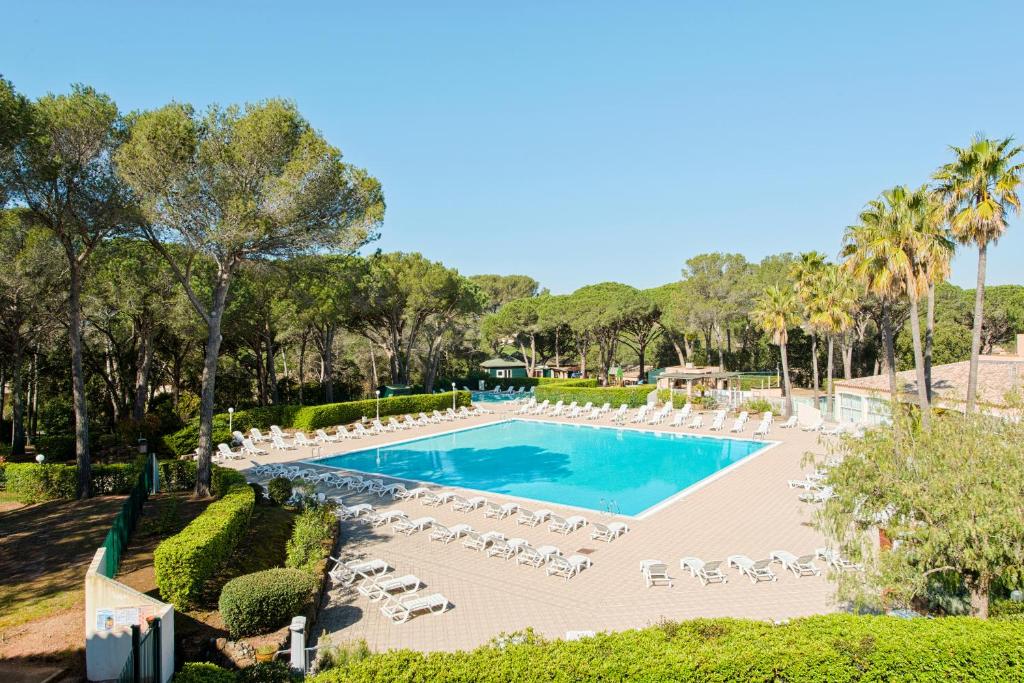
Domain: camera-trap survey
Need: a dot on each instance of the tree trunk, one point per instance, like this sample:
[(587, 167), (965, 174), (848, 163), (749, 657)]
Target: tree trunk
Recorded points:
[(373, 367), (641, 352), (33, 400), (922, 390), (788, 404), (814, 368), (721, 351), (979, 590), (979, 314), (3, 394), (558, 355), (890, 356), (847, 353), (17, 400), (929, 340), (829, 408), (78, 379), (584, 347), (328, 378), (275, 397), (206, 403), (680, 351), (143, 364)]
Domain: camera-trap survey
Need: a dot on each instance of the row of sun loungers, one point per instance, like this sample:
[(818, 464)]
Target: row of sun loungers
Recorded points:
[(399, 593), (655, 572)]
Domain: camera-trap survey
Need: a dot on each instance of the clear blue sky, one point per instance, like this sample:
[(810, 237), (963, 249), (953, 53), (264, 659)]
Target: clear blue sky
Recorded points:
[(580, 142)]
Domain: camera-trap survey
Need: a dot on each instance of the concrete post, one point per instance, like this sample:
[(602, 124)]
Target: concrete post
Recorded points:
[(298, 645)]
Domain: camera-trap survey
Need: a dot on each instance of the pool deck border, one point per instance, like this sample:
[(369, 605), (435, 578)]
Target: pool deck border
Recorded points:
[(643, 514)]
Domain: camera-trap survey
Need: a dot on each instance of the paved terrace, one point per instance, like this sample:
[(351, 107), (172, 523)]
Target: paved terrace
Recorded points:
[(749, 510)]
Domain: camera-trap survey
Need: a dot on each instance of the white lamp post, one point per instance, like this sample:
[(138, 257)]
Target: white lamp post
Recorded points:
[(40, 458), (453, 395), (231, 416), (378, 403)]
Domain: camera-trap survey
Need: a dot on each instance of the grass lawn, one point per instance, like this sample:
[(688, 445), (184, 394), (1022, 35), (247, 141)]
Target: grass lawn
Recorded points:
[(45, 550)]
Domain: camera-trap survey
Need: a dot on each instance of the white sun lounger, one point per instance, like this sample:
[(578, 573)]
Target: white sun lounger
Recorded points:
[(280, 443), (344, 512), (762, 429), (607, 532), (697, 422), (495, 511), (707, 572), (251, 448), (755, 571), (476, 541), (790, 423), (437, 499), (567, 567), (532, 518), (566, 525), (655, 572), (324, 437), (460, 504), (506, 549), (800, 566), (411, 526), (620, 414), (444, 534), (258, 436), (412, 493), (386, 517), (837, 561), (400, 610), (348, 572), (378, 589)]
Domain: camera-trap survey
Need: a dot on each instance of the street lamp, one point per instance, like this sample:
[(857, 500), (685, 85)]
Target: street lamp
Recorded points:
[(378, 403), (231, 415), (142, 446), (40, 458), (453, 395)]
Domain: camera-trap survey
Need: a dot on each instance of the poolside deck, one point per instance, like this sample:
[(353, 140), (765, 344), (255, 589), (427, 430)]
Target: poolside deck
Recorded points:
[(750, 510)]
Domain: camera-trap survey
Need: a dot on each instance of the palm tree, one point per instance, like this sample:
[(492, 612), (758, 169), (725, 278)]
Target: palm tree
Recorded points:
[(832, 311), (775, 312), (902, 241), (806, 272), (934, 252), (979, 188)]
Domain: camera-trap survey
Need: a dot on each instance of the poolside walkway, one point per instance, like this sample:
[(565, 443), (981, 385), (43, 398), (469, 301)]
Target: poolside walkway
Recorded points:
[(750, 510)]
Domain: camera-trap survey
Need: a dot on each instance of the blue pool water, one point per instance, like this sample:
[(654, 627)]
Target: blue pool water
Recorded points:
[(575, 465), (492, 397)]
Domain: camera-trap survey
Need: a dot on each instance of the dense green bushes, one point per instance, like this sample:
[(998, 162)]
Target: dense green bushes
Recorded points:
[(307, 418), (34, 483), (311, 538), (188, 559), (826, 648), (631, 396), (331, 414), (203, 672), (263, 601), (279, 490), (180, 475)]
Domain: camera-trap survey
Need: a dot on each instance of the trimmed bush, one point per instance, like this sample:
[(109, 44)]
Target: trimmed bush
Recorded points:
[(631, 396), (279, 489), (180, 475), (310, 542), (185, 561), (307, 418), (56, 447), (331, 414), (203, 672), (276, 671), (263, 601), (31, 482), (835, 647)]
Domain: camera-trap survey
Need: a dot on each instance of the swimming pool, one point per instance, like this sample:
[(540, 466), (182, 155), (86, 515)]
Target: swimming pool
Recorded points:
[(584, 466), (493, 397)]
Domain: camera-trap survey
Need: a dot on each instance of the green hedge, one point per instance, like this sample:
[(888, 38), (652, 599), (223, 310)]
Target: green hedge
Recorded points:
[(185, 561), (505, 382), (203, 672), (307, 418), (180, 475), (310, 542), (34, 483), (826, 648), (332, 414), (631, 396), (263, 601)]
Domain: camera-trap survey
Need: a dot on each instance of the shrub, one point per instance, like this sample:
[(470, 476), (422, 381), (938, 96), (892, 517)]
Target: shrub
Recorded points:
[(276, 671), (757, 405), (263, 601), (311, 538), (177, 475), (835, 647), (203, 672), (33, 483), (185, 561), (705, 402), (56, 447), (115, 479), (331, 414), (631, 396), (279, 489), (3, 476), (307, 418)]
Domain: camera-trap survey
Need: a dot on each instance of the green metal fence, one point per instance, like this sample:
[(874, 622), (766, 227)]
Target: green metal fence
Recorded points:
[(117, 538), (143, 663)]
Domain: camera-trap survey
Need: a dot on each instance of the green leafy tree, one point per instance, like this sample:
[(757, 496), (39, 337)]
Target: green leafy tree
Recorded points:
[(639, 314), (832, 307), (776, 312), (979, 188), (948, 498), (239, 184), (63, 172), (806, 273), (498, 290), (719, 288)]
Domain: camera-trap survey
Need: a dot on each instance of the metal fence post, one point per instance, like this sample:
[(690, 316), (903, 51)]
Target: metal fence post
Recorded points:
[(154, 626), (136, 660), (298, 644)]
